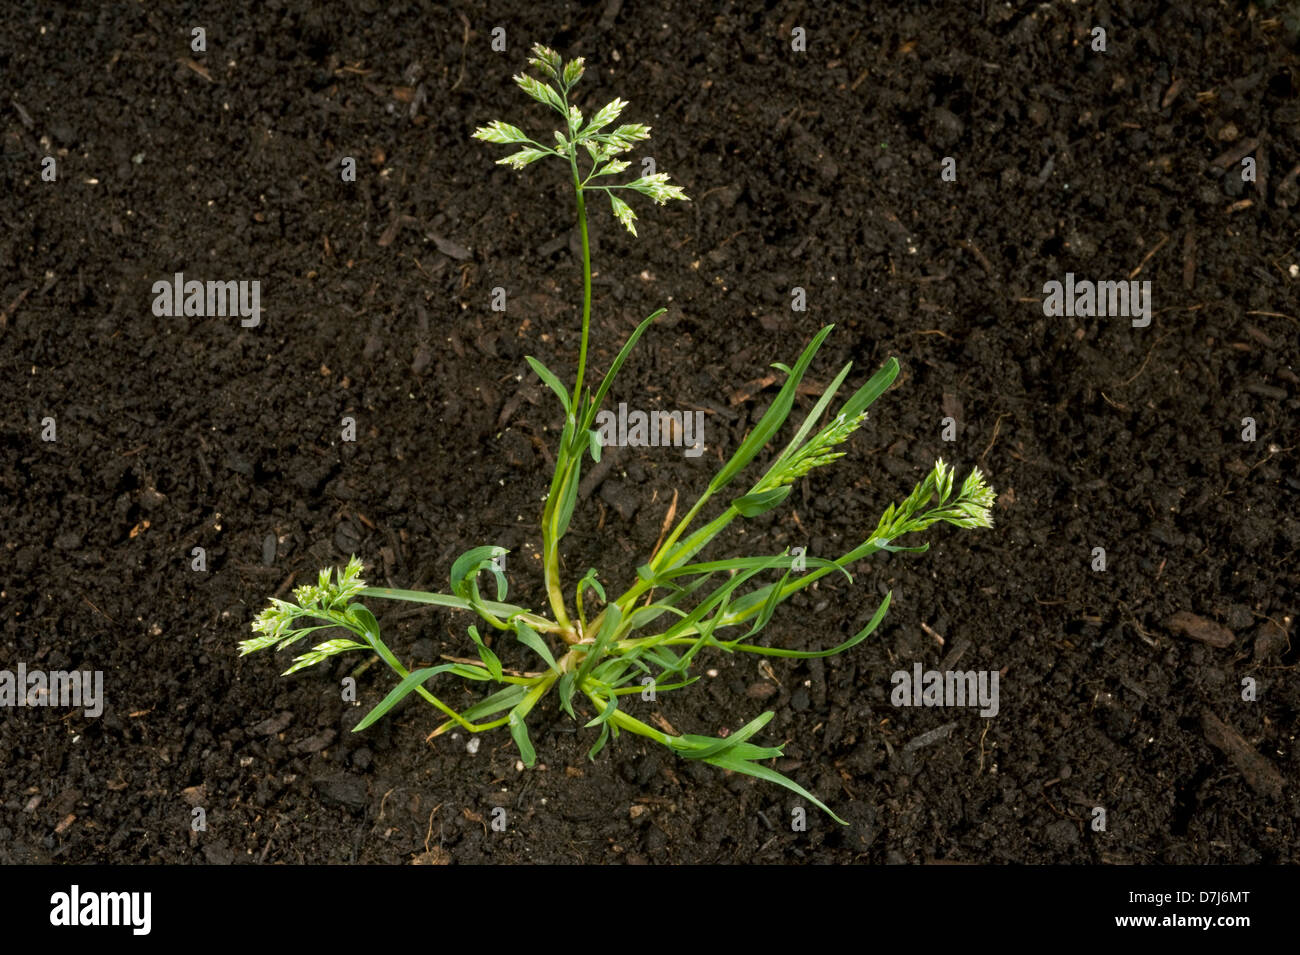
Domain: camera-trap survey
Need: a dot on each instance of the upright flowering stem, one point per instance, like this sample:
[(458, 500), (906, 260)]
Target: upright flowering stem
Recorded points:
[(586, 277), (565, 471)]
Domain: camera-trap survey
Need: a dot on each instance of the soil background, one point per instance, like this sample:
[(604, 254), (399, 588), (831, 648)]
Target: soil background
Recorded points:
[(817, 169)]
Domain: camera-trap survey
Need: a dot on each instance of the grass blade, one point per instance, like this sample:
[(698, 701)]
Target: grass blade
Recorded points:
[(551, 381), (809, 654), (399, 693), (626, 350), (773, 418)]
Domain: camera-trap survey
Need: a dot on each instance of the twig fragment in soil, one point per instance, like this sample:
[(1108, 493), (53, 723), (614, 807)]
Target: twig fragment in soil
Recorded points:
[(1261, 774), (23, 115), (997, 425), (97, 610), (959, 648), (428, 833), (663, 530), (197, 67), (463, 44), (935, 331), (467, 661), (979, 256), (1137, 374), (13, 306), (1171, 94), (1269, 314), (449, 248), (1187, 624), (1164, 239), (1236, 153), (662, 722), (925, 739), (612, 10), (749, 390), (390, 233)]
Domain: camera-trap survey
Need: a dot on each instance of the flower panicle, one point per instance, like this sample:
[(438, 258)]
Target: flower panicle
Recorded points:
[(331, 593), (601, 143)]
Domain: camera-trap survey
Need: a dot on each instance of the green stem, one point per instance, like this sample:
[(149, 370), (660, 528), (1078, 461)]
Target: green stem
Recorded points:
[(625, 722), (689, 548), (509, 611), (732, 618), (657, 561), (564, 470), (387, 656), (586, 278)]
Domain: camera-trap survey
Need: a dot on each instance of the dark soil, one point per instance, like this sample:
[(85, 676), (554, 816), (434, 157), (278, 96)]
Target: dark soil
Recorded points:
[(817, 169)]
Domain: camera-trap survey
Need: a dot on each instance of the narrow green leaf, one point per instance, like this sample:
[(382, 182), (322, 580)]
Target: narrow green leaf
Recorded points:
[(594, 407), (530, 638), (664, 657), (773, 418), (865, 396), (468, 672), (589, 580), (468, 564), (485, 654), (665, 577), (399, 693), (565, 688), (519, 731), (734, 763), (600, 741), (610, 707), (500, 700), (752, 505), (769, 606), (570, 497), (644, 615), (613, 616), (442, 600), (705, 747), (722, 593), (551, 380), (809, 654), (365, 620)]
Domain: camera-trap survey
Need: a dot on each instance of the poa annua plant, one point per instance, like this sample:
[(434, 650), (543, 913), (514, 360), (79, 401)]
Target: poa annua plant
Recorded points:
[(603, 651)]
